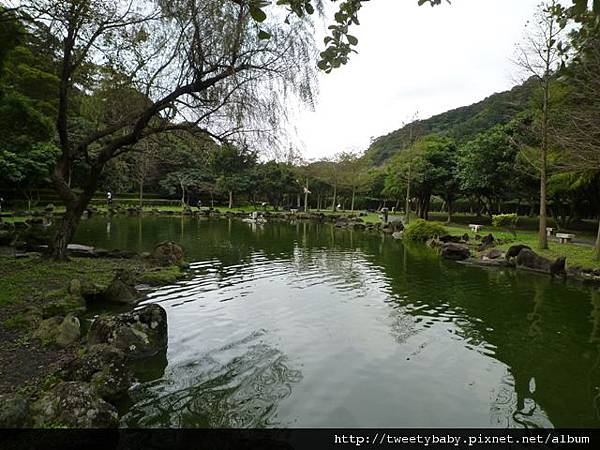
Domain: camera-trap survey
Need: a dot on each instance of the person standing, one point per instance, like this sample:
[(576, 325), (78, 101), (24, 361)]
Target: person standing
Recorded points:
[(109, 198), (1, 201)]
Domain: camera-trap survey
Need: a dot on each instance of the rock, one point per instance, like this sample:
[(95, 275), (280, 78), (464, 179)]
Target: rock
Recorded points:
[(14, 411), (84, 289), (455, 252), (121, 289), (81, 251), (529, 259), (59, 331), (494, 253), (398, 234), (104, 367), (514, 250), (448, 238), (73, 404), (167, 254), (465, 237), (489, 262), (138, 334), (487, 242)]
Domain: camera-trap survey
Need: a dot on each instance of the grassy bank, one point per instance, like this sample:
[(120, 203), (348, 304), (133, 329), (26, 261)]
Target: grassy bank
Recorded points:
[(29, 277), (576, 254)]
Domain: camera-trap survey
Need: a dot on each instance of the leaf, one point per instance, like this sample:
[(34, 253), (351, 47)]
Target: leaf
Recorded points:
[(352, 40), (258, 14), (263, 35)]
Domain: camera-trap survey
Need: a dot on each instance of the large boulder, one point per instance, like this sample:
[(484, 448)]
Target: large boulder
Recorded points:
[(73, 404), (137, 334), (167, 254), (81, 251), (14, 411), (455, 252), (104, 368), (531, 260), (59, 331)]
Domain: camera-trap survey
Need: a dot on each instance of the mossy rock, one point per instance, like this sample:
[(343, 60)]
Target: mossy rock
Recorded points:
[(167, 254), (105, 368), (73, 404), (14, 411), (161, 276), (59, 331), (121, 289), (138, 334)]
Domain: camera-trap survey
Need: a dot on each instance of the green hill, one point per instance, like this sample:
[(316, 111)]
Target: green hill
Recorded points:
[(461, 124)]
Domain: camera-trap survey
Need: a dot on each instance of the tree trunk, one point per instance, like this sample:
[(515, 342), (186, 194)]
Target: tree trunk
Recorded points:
[(333, 205), (450, 205), (542, 236), (306, 197), (407, 205), (230, 199), (597, 246), (352, 203), (141, 194)]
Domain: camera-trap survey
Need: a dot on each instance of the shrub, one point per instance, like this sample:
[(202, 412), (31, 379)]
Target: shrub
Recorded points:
[(505, 220), (421, 230)]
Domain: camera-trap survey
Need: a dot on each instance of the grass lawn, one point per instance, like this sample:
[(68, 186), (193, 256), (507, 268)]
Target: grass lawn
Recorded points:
[(577, 254), (25, 277)]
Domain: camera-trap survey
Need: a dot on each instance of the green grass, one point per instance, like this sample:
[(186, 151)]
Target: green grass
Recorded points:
[(576, 254), (23, 278)]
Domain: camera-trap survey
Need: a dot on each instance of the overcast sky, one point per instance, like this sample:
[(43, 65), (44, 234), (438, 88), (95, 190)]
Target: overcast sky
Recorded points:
[(413, 58)]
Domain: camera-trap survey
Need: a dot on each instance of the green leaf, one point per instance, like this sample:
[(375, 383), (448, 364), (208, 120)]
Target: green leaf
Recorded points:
[(263, 35), (258, 14), (352, 40)]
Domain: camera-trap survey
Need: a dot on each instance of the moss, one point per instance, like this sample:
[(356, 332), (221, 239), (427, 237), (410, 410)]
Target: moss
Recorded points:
[(162, 275), (33, 276)]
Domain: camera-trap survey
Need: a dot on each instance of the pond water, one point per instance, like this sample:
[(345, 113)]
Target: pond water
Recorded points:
[(306, 325)]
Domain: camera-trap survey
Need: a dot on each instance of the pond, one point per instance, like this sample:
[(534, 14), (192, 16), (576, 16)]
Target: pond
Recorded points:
[(305, 325)]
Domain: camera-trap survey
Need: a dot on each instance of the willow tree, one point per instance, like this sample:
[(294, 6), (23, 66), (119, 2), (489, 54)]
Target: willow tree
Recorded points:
[(215, 67)]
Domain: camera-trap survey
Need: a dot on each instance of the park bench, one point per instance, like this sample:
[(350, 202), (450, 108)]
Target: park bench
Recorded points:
[(564, 238), (475, 228), (549, 231)]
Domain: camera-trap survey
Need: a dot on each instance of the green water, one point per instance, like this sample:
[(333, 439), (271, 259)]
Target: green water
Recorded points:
[(307, 325)]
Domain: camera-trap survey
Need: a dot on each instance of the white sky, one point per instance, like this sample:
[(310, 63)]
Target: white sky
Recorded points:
[(413, 58)]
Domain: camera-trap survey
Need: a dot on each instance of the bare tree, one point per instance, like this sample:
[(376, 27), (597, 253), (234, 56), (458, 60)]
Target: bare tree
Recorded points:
[(540, 56), (198, 65)]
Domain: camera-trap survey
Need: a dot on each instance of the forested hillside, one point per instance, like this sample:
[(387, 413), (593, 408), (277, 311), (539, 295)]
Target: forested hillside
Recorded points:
[(462, 124)]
